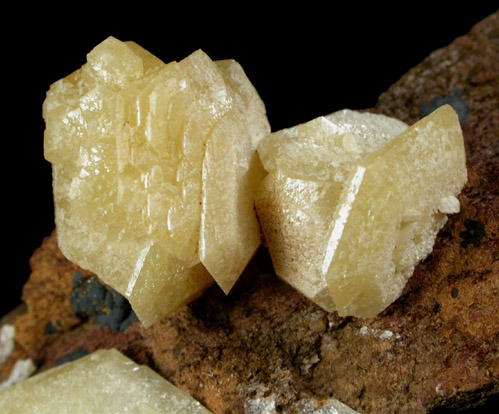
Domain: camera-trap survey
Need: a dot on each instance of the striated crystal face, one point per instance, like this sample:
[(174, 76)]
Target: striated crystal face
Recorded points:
[(154, 171), (103, 382), (353, 201)]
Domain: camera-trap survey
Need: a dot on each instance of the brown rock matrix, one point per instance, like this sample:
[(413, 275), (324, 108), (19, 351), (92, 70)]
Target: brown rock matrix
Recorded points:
[(266, 348)]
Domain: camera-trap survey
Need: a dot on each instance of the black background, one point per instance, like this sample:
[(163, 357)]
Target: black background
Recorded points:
[(305, 63)]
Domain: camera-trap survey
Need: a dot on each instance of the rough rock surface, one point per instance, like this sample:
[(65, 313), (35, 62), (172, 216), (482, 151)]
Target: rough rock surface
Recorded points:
[(266, 348)]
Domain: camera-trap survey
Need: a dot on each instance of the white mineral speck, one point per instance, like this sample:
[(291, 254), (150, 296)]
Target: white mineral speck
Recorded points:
[(381, 334), (449, 205), (260, 405), (386, 335), (7, 333), (23, 368), (266, 405), (331, 406), (438, 389)]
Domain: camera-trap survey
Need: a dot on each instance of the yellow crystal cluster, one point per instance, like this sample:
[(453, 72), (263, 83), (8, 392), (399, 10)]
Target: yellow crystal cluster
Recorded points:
[(103, 382), (353, 201), (154, 172)]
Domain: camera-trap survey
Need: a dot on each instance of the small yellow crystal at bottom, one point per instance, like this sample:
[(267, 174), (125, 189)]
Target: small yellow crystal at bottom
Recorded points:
[(100, 383), (354, 201)]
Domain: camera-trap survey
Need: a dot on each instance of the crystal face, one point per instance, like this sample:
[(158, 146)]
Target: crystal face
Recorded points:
[(154, 171), (103, 382), (353, 201)]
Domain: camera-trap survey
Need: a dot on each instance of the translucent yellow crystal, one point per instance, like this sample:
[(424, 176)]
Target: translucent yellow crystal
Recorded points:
[(100, 383), (141, 152), (354, 201), (232, 171), (294, 214)]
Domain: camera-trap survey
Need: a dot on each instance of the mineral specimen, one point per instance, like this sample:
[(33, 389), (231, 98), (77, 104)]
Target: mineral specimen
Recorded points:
[(154, 171), (353, 201), (103, 382)]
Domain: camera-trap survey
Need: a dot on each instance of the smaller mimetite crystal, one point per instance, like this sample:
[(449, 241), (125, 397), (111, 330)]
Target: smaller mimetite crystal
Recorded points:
[(103, 382), (353, 201), (154, 172)]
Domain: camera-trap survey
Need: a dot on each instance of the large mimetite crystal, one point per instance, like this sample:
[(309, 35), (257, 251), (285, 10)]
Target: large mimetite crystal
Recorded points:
[(154, 171), (353, 201), (103, 382)]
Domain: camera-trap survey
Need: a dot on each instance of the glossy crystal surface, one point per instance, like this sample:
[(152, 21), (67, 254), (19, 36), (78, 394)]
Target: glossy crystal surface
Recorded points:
[(141, 152), (348, 220), (100, 383)]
